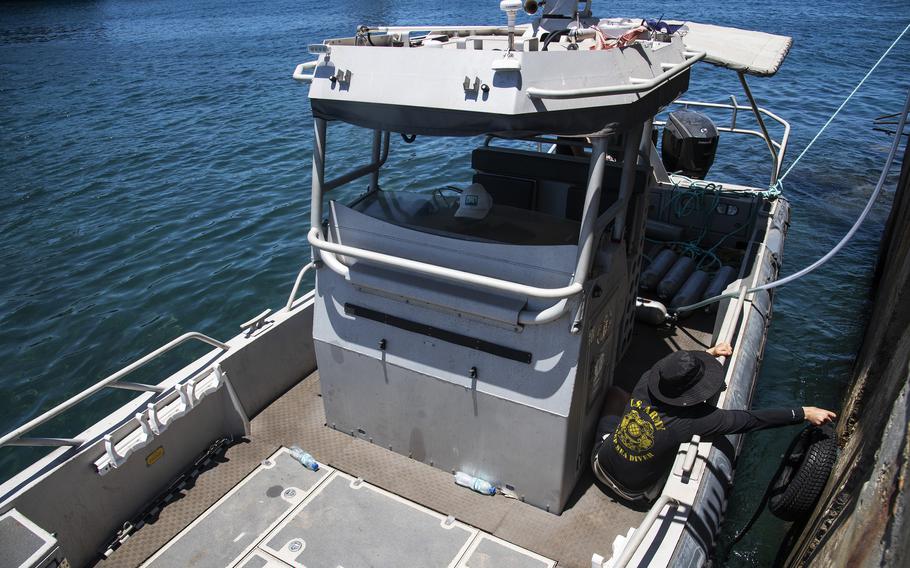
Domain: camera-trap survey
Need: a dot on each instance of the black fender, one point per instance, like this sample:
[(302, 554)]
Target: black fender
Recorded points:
[(803, 474)]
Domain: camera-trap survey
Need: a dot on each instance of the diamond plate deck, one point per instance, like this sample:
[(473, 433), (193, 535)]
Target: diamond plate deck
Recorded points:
[(285, 516), (589, 524)]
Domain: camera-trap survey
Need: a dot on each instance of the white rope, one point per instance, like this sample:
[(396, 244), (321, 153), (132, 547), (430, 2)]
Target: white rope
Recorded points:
[(859, 221), (843, 104), (862, 216)]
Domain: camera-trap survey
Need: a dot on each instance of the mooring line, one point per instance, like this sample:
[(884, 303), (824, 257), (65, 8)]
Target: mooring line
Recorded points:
[(843, 242), (843, 104)]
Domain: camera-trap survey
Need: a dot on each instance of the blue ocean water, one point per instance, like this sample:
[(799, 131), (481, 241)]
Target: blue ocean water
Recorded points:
[(154, 175)]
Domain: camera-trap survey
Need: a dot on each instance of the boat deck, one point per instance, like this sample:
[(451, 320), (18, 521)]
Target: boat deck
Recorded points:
[(589, 524)]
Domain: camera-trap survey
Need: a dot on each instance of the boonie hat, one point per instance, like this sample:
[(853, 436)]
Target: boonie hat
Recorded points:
[(685, 378)]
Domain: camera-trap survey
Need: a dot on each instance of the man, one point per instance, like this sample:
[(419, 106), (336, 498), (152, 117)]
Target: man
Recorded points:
[(635, 451)]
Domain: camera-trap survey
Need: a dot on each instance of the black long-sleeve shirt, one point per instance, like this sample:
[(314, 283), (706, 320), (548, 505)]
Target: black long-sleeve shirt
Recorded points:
[(644, 444)]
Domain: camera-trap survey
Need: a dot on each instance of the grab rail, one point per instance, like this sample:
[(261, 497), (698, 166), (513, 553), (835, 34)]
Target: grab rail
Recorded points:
[(638, 536), (450, 274), (326, 250), (448, 30), (14, 438), (636, 85), (297, 282), (381, 143), (780, 146), (299, 74)]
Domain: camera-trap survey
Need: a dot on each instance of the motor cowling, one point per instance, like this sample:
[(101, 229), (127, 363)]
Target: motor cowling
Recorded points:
[(689, 143)]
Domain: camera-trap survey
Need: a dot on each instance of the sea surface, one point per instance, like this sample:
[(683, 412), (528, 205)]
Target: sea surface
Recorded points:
[(154, 175)]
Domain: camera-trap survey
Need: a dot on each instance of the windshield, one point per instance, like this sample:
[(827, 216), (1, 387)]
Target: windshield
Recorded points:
[(435, 213)]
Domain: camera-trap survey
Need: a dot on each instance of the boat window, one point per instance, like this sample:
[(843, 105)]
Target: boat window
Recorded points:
[(435, 213)]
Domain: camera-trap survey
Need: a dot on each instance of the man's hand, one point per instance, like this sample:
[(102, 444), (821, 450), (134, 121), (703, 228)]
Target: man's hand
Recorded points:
[(818, 416), (721, 350)]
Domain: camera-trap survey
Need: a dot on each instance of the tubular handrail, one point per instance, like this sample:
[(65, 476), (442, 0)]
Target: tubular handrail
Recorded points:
[(450, 274), (15, 435), (761, 123), (638, 536), (636, 85), (299, 74), (127, 385), (297, 282), (326, 251), (446, 29), (45, 442), (781, 146)]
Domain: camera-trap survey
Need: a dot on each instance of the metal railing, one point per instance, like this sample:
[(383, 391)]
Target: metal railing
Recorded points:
[(293, 297), (449, 30), (299, 74), (15, 437), (779, 147), (328, 252), (638, 536), (450, 274), (636, 85)]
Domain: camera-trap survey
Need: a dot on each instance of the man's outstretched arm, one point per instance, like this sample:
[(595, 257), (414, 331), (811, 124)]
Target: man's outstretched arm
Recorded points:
[(742, 421)]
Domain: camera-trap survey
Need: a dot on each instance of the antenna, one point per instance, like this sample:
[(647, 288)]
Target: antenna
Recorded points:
[(511, 8)]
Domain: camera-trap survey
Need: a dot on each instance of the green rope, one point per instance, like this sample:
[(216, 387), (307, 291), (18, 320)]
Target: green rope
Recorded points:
[(691, 200), (774, 191)]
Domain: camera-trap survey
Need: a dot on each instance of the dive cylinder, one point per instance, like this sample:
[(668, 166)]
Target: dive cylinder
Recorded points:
[(652, 275), (692, 290), (675, 278), (719, 282)]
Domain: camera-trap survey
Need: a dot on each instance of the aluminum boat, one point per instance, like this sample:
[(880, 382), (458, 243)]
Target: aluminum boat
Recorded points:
[(463, 327)]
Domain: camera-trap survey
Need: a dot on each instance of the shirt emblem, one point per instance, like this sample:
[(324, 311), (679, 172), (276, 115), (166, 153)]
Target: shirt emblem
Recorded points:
[(636, 434)]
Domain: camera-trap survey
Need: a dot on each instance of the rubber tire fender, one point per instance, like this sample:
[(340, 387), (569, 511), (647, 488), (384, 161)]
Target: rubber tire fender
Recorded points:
[(804, 473)]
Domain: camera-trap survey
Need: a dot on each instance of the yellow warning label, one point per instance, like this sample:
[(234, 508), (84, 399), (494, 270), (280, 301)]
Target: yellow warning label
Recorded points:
[(154, 456)]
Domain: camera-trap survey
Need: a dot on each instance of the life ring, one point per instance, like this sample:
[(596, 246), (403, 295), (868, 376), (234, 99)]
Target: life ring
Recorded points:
[(803, 474)]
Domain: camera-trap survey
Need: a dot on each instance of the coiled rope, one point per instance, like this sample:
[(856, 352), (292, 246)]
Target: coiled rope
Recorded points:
[(690, 200)]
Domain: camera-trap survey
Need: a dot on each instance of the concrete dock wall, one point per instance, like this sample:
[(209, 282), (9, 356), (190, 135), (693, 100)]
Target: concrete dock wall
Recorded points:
[(862, 518)]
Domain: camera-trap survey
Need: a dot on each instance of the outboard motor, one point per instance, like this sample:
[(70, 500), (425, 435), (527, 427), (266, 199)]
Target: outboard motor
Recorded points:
[(689, 143)]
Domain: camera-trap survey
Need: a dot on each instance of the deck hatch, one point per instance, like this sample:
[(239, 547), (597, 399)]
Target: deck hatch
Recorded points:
[(238, 520), (22, 542), (440, 334), (357, 525)]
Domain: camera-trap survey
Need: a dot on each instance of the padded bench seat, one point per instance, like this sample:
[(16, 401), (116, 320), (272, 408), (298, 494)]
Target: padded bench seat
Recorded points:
[(517, 178)]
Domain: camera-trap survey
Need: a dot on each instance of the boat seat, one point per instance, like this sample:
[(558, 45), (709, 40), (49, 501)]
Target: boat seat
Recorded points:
[(550, 183), (511, 191)]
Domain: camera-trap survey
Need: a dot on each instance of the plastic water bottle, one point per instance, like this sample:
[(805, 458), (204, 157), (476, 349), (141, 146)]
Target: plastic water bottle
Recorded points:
[(475, 483), (305, 459)]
